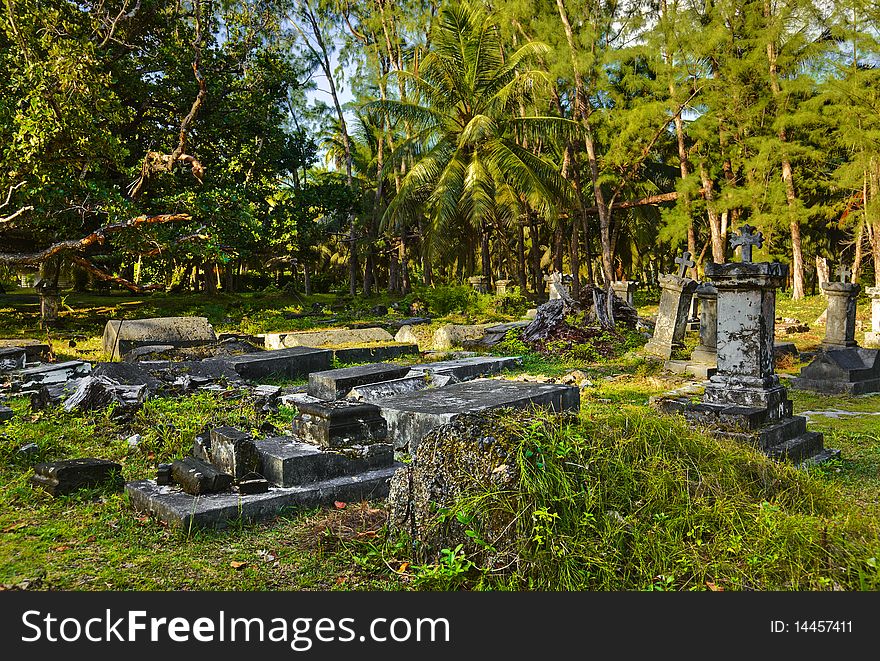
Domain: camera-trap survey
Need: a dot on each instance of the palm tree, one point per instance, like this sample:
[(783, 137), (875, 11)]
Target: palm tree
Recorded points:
[(470, 170)]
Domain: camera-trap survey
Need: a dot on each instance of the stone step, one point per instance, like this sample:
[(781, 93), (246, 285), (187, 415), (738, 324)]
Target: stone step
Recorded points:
[(770, 435), (339, 423), (180, 509), (797, 449), (286, 461), (826, 454)]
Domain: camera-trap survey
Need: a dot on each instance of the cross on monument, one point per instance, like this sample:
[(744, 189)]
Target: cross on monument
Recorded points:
[(747, 238), (844, 273), (685, 262)]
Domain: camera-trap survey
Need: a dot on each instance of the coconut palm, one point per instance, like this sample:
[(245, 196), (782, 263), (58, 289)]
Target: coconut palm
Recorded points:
[(469, 168)]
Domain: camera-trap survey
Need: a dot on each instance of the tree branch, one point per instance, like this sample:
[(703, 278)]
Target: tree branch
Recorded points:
[(101, 274), (96, 237), (645, 201)]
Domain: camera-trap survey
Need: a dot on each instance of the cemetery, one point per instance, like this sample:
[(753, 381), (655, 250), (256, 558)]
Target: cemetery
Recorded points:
[(444, 296)]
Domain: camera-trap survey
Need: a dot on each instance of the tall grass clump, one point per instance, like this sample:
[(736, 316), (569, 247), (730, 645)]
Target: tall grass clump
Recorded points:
[(633, 500)]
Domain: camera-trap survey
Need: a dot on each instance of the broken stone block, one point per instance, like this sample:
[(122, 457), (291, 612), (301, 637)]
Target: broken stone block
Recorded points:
[(12, 358), (336, 384), (252, 483), (339, 423), (121, 336), (853, 371), (6, 413), (377, 352), (163, 474), (452, 335), (56, 372), (127, 374), (464, 369), (60, 478), (197, 477), (34, 349), (95, 392), (233, 452)]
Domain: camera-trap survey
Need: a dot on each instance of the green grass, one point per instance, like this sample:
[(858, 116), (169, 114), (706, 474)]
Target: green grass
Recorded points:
[(658, 506)]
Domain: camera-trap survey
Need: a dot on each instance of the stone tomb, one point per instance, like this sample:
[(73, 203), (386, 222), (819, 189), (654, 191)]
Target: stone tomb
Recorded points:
[(744, 399), (705, 357), (625, 289), (841, 366), (336, 384), (121, 336), (672, 315), (412, 415), (324, 338)]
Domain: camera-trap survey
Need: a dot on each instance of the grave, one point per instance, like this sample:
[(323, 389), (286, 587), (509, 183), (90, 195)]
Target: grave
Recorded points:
[(54, 373), (6, 413), (411, 416), (559, 285), (292, 363), (672, 315), (340, 423), (123, 335), (469, 368), (744, 400), (840, 320), (625, 289), (34, 349), (704, 357), (375, 353), (479, 283), (287, 461), (841, 367), (872, 337), (325, 338), (12, 358), (60, 478), (336, 384), (502, 287)]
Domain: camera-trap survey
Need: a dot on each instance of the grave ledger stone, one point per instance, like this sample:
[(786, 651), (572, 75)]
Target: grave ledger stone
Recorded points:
[(672, 315)]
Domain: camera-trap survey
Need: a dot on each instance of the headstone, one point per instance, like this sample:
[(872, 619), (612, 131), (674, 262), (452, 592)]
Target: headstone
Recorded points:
[(840, 323), (707, 351), (197, 477), (872, 337), (625, 289), (559, 285), (479, 283), (336, 384), (324, 338), (50, 300), (60, 478), (123, 335), (411, 416), (672, 315), (502, 287), (744, 400)]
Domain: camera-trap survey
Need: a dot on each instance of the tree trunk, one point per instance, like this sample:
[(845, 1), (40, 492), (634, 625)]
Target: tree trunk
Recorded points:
[(521, 256), (210, 269), (558, 247), (718, 248), (537, 275), (307, 280), (575, 259), (485, 259)]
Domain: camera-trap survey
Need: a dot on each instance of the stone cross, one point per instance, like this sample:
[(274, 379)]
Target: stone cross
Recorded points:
[(747, 238), (844, 273), (685, 262)]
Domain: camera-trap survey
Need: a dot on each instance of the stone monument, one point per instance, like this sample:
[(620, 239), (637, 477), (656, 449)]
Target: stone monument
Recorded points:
[(625, 289), (559, 285), (480, 283), (744, 400), (672, 316), (872, 337), (842, 367)]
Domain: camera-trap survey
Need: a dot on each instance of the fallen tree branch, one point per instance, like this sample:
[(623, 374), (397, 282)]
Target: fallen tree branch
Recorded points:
[(97, 237), (645, 201), (101, 274), (13, 216)]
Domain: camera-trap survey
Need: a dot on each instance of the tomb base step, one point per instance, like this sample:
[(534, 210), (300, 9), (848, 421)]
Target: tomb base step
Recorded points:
[(179, 509)]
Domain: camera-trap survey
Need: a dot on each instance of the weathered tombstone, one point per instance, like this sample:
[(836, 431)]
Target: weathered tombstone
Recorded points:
[(330, 337), (479, 283), (123, 335), (502, 286), (744, 400), (60, 478), (559, 285), (693, 322), (840, 323), (707, 351), (339, 423), (625, 289), (872, 337), (50, 300), (12, 358), (672, 314), (229, 450)]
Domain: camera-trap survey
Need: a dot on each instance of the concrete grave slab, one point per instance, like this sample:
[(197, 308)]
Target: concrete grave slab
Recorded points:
[(60, 478), (336, 384), (410, 416), (123, 335), (286, 461), (292, 363), (329, 337), (179, 509), (376, 352), (854, 371), (34, 349), (470, 368)]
